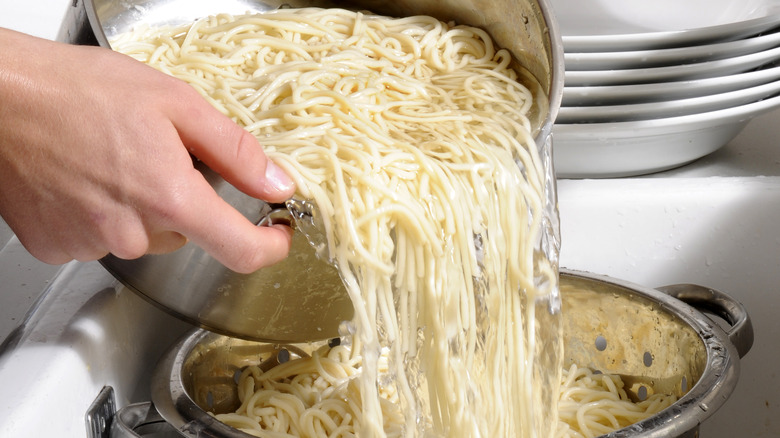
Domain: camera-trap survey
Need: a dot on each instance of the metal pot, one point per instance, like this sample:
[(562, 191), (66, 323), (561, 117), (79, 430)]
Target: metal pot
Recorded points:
[(285, 302), (656, 340)]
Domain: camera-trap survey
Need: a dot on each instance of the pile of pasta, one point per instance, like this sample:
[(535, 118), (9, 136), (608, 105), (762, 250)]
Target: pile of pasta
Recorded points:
[(412, 138), (593, 404), (316, 396)]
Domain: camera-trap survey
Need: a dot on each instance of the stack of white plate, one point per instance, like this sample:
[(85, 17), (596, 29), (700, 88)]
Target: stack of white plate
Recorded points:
[(652, 85)]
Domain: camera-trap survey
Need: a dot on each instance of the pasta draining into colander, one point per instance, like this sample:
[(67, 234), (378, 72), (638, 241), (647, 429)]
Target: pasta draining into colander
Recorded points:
[(412, 137)]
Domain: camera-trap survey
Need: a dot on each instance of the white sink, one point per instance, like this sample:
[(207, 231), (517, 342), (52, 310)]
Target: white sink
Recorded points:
[(84, 332)]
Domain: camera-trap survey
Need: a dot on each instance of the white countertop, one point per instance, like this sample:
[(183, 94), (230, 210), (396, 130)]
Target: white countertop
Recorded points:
[(715, 222), (35, 17)]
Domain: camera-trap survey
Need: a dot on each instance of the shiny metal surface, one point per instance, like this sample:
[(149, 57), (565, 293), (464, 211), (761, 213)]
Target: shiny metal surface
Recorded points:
[(720, 304), (295, 300), (657, 343), (651, 340), (299, 299), (140, 419)]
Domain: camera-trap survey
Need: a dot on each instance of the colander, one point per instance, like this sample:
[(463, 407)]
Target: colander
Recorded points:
[(651, 338)]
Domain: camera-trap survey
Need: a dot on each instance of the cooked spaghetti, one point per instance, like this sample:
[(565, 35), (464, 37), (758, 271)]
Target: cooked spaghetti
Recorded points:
[(315, 396), (309, 397), (592, 404), (412, 138)]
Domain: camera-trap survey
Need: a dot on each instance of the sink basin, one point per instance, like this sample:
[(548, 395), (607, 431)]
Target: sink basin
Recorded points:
[(723, 233)]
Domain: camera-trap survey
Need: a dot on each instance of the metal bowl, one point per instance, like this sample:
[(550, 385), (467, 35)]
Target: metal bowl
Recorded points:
[(295, 300), (654, 340)]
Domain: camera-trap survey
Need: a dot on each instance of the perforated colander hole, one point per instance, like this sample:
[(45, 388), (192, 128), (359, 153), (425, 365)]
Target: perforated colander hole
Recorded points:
[(601, 343), (684, 384), (647, 359), (641, 394), (210, 400)]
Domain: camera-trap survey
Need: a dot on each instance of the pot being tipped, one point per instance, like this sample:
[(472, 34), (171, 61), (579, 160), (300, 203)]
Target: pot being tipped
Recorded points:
[(299, 299), (303, 298)]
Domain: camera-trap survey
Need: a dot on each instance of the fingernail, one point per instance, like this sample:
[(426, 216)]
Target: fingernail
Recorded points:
[(278, 179)]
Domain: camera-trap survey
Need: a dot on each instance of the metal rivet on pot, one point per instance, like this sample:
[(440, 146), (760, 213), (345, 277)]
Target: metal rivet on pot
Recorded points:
[(283, 356)]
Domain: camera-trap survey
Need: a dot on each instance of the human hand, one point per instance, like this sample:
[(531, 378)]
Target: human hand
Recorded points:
[(95, 159)]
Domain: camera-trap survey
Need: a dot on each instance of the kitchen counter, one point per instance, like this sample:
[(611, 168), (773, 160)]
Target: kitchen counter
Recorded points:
[(715, 222)]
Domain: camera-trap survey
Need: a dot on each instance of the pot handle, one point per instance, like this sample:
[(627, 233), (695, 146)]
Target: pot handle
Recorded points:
[(138, 417), (721, 304)]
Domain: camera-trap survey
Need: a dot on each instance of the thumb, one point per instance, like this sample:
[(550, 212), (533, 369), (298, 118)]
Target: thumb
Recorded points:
[(227, 235)]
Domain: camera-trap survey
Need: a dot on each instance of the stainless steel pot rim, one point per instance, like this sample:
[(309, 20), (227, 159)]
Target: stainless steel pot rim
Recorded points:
[(718, 380)]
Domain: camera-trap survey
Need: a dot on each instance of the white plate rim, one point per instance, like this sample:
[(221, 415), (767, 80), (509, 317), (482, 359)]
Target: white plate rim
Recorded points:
[(654, 110), (653, 127), (670, 56), (654, 92), (706, 69), (669, 39)]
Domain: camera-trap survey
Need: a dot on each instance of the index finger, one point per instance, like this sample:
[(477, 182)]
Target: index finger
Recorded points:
[(230, 150)]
